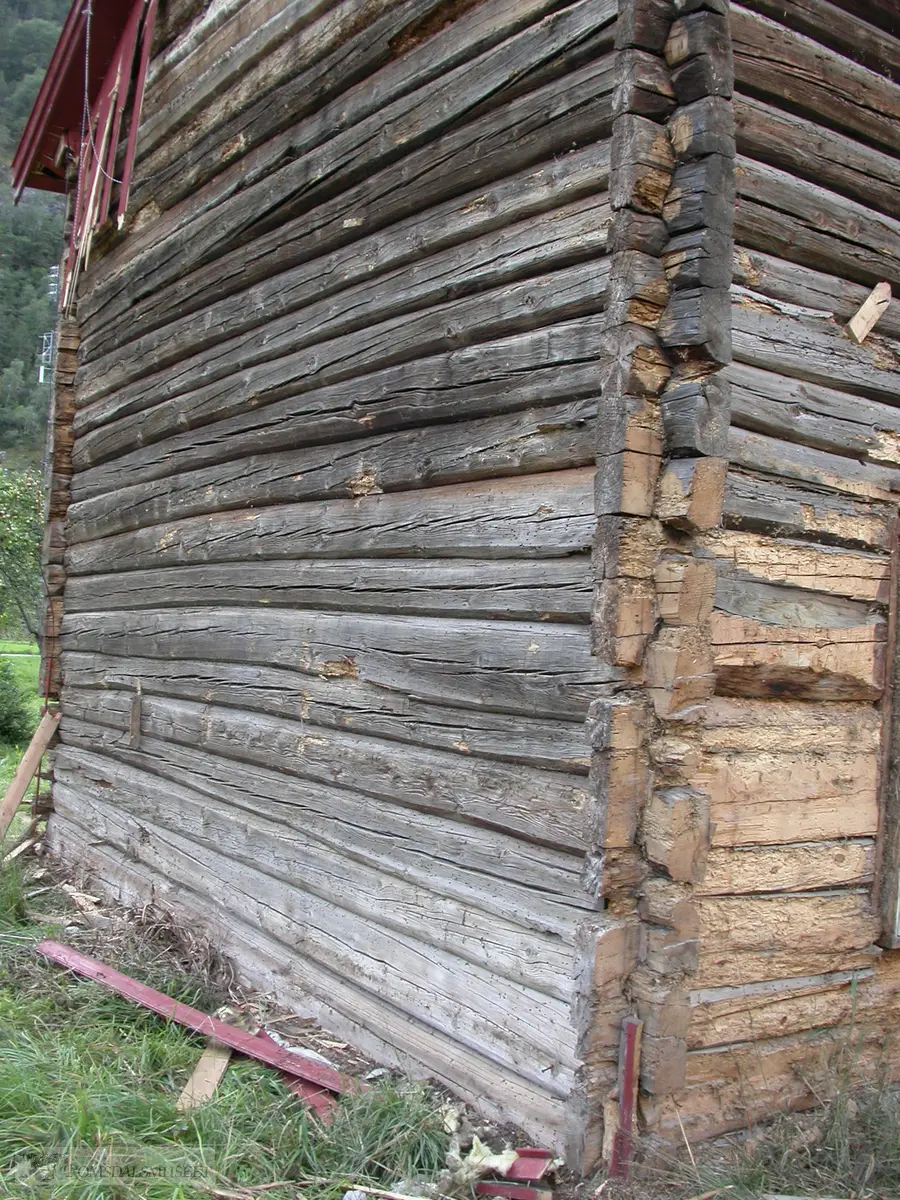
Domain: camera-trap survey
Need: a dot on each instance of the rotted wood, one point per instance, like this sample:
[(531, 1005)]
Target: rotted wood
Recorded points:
[(691, 493), (641, 166), (628, 454), (705, 126)]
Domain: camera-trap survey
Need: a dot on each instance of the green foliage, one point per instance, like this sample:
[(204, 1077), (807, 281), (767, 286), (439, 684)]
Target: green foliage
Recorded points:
[(15, 719), (21, 524), (30, 233)]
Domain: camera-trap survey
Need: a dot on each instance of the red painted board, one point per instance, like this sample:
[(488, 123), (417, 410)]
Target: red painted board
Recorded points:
[(321, 1101), (238, 1039), (531, 1164)]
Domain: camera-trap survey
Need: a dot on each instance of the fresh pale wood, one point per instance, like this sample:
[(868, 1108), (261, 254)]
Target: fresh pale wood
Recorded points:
[(26, 769), (205, 1077), (866, 318)]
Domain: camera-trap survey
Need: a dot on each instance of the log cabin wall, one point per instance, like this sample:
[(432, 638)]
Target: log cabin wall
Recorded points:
[(792, 739), (327, 646)]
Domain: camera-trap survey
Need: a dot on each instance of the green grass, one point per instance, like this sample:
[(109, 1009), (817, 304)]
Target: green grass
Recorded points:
[(88, 1083), (12, 647)]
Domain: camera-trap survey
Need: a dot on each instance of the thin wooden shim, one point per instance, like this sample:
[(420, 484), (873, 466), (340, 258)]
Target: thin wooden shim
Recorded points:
[(227, 1035), (31, 760), (205, 1077), (870, 312)]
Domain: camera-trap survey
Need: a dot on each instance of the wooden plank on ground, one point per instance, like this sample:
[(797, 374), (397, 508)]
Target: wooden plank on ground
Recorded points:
[(205, 1076), (31, 760)]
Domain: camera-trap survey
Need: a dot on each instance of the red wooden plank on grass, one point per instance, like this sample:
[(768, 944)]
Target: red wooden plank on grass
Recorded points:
[(238, 1039), (511, 1191), (531, 1164), (321, 1101)]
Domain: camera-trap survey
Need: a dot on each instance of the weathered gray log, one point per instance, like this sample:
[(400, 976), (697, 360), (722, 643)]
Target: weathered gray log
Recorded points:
[(536, 589), (794, 410), (470, 246), (705, 126), (331, 934), (817, 153), (787, 508), (547, 807), (223, 218), (346, 704), (644, 24), (538, 366), (792, 460), (799, 221), (535, 516), (796, 284), (701, 196), (640, 166), (551, 298), (539, 439), (771, 59), (699, 318), (696, 416), (848, 34), (698, 49), (270, 840), (772, 335), (506, 666), (643, 85), (701, 258)]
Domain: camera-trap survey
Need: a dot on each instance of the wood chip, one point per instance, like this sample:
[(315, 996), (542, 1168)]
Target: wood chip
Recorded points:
[(870, 312)]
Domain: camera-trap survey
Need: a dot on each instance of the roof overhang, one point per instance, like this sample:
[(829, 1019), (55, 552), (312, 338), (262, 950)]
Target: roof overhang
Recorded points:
[(57, 111)]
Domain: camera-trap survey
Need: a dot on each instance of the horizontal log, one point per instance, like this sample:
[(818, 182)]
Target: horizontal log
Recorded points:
[(791, 409), (792, 564), (843, 31), (529, 304), (284, 854), (551, 438), (802, 222), (758, 1012), (784, 727), (788, 507), (542, 589), (251, 199), (737, 968), (532, 668), (531, 516), (333, 926), (371, 280), (537, 366), (769, 798), (795, 284), (499, 873), (345, 704), (830, 922), (767, 334), (807, 465), (783, 642), (818, 153), (341, 1006), (798, 71), (807, 867)]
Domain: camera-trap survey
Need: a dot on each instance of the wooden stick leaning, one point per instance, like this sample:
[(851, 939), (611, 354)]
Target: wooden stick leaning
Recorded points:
[(26, 769)]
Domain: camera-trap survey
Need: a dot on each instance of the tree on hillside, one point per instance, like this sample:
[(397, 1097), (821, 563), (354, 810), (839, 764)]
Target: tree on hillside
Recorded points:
[(21, 521)]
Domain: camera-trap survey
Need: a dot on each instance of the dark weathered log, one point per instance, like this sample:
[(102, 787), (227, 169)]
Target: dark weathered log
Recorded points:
[(643, 85), (530, 304), (638, 290), (817, 153), (532, 516), (788, 408), (224, 218), (490, 378), (541, 589), (701, 196), (799, 221), (529, 667), (849, 34), (704, 127), (698, 49), (699, 318), (812, 289), (459, 236), (696, 416), (645, 24), (633, 364), (539, 439), (812, 346), (701, 258), (628, 454), (775, 61), (344, 704), (639, 231), (789, 509)]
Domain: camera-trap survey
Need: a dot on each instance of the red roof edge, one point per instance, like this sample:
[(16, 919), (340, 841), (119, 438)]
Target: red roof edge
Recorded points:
[(60, 100)]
